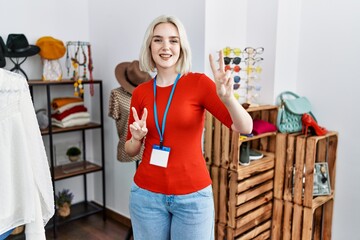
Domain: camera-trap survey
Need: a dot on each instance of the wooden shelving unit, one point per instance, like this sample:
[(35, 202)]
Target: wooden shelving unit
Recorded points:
[(242, 194), (272, 198), (298, 214), (83, 168)]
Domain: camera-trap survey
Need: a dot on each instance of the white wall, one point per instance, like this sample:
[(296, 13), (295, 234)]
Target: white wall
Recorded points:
[(328, 74), (310, 47)]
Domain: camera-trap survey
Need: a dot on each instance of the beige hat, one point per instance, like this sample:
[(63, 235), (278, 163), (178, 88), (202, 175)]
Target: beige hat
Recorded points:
[(130, 76)]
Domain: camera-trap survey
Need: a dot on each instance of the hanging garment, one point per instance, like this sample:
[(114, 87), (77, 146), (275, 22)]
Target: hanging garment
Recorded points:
[(25, 182), (119, 108)]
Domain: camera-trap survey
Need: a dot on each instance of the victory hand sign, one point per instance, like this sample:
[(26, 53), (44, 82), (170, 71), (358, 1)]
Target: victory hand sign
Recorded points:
[(223, 80), (138, 127)]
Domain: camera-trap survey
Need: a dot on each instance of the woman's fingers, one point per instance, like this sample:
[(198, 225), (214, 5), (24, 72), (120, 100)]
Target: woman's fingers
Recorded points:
[(139, 125), (144, 116), (212, 64), (221, 59), (143, 119), (136, 117)]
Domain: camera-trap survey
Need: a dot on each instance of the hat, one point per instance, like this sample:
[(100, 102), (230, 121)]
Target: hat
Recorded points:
[(50, 48), (130, 76), (2, 53), (18, 46)]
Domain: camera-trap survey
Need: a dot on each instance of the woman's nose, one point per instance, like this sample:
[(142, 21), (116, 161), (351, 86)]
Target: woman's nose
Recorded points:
[(166, 44)]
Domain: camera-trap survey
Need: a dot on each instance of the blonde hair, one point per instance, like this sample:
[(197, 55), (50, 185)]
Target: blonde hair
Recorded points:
[(146, 61)]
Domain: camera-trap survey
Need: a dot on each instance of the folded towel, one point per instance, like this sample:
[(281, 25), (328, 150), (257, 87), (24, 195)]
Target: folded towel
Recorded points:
[(59, 102), (74, 116), (71, 122), (67, 106), (76, 109), (261, 126)]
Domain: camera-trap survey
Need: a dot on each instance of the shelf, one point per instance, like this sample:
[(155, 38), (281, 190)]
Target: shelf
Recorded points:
[(78, 210), (321, 200), (62, 82), (262, 108), (75, 169), (256, 137), (70, 129), (256, 166)]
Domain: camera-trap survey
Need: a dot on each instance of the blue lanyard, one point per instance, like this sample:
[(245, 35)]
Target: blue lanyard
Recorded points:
[(161, 133)]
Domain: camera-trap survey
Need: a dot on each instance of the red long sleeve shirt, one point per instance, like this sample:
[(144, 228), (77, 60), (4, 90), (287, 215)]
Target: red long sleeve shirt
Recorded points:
[(186, 171)]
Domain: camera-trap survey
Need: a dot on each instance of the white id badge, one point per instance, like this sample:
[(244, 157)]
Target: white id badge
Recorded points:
[(159, 156)]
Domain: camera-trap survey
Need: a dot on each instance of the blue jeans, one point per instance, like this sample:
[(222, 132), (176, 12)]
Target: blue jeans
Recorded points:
[(156, 216)]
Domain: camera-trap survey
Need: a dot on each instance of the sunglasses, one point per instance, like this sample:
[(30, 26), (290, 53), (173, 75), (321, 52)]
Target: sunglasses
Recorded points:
[(249, 70), (235, 68), (252, 61), (251, 79), (253, 51), (236, 86), (227, 51), (258, 69), (237, 79), (253, 88), (235, 60)]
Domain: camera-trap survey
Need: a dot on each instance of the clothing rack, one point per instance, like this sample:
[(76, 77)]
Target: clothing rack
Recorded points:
[(77, 43)]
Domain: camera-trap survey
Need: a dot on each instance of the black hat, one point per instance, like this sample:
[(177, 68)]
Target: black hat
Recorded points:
[(2, 53), (18, 46)]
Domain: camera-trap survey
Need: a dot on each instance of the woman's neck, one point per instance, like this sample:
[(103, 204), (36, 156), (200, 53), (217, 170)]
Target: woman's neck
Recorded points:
[(164, 79)]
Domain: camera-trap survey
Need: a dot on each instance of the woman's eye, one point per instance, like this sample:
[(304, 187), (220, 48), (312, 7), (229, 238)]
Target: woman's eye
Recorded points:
[(157, 40), (174, 41)]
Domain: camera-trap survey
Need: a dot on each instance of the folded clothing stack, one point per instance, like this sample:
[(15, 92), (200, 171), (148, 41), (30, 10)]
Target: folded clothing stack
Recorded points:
[(69, 112)]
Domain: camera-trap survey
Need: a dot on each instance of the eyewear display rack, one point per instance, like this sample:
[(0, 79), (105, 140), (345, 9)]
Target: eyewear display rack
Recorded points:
[(84, 208), (243, 195)]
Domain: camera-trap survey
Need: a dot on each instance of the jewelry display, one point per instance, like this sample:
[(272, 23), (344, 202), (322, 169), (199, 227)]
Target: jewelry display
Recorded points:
[(245, 67), (79, 60)]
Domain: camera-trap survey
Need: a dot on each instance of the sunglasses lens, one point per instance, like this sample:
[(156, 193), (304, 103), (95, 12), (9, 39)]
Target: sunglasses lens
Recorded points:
[(236, 86), (227, 60), (227, 67), (237, 51), (227, 51), (249, 50), (237, 60), (237, 79), (259, 50), (236, 69)]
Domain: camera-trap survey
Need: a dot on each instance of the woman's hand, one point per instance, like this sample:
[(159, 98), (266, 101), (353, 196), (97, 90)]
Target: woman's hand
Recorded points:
[(223, 80), (138, 127)]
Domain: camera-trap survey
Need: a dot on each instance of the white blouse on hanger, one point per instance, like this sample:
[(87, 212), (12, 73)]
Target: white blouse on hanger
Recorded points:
[(25, 182)]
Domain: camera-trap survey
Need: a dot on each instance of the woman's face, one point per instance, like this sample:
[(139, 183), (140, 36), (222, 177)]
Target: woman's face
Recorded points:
[(165, 46)]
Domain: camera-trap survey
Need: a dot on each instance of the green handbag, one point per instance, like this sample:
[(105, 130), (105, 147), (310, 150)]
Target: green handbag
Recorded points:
[(291, 109)]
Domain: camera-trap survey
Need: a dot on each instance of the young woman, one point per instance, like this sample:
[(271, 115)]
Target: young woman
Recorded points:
[(171, 197)]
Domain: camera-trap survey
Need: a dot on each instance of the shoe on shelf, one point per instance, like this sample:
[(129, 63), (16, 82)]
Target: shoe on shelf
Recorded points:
[(244, 154), (308, 122), (255, 155)]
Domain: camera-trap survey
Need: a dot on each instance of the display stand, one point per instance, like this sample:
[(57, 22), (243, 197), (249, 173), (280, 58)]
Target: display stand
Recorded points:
[(83, 168)]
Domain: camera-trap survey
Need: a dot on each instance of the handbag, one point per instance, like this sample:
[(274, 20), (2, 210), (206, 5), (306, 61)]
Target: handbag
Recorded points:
[(291, 109)]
